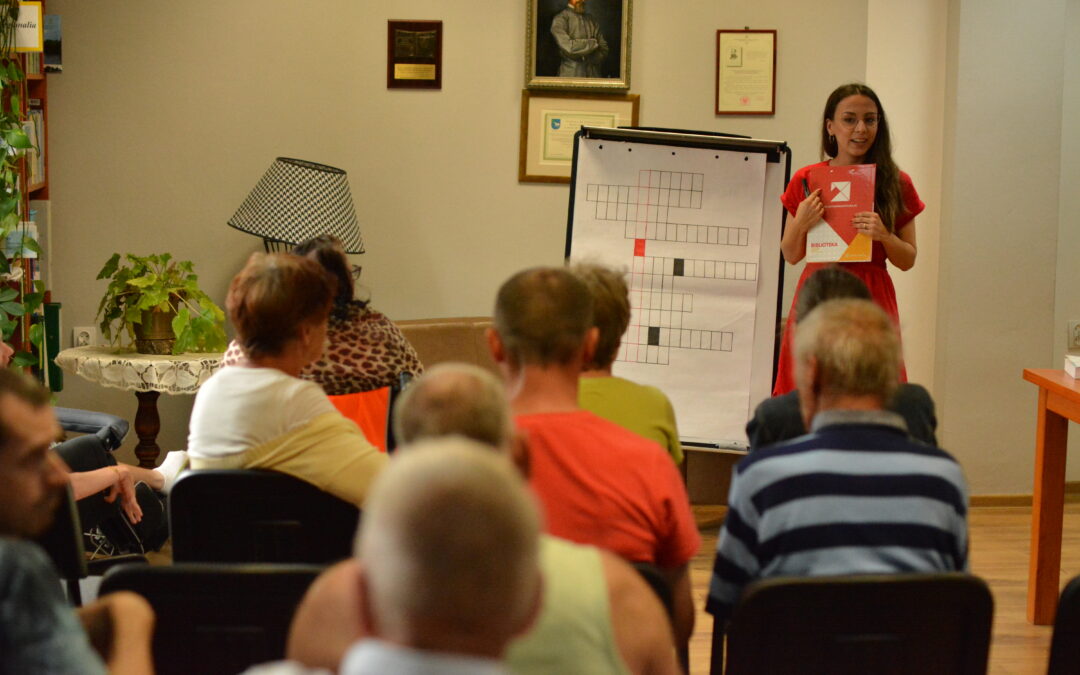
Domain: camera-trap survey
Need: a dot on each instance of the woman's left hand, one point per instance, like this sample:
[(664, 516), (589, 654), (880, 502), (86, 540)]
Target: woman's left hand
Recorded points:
[(869, 223)]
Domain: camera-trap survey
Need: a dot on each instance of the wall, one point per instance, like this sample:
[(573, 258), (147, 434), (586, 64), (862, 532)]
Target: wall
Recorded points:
[(997, 275), (905, 64), (167, 114)]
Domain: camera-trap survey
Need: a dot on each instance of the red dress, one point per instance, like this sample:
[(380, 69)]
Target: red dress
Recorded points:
[(874, 273)]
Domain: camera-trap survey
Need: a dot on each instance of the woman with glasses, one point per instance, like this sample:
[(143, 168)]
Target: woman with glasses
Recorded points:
[(854, 130), (365, 350)]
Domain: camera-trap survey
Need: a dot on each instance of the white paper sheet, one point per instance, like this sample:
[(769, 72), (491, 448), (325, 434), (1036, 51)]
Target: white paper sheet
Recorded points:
[(685, 223)]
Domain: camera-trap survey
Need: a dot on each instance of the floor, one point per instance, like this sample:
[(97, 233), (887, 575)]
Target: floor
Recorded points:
[(1000, 539)]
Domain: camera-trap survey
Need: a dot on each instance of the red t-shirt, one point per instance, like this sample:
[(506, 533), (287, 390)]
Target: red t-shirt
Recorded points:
[(600, 484)]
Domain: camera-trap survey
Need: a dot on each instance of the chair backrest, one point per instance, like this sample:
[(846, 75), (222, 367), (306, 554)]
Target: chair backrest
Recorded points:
[(249, 515), (882, 624), (1065, 645), (368, 409), (218, 618), (63, 542)]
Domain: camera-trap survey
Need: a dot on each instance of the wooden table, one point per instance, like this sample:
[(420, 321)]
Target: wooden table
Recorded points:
[(1059, 402), (148, 375)]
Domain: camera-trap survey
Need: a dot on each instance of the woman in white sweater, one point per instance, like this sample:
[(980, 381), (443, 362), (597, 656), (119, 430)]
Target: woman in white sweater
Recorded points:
[(258, 413)]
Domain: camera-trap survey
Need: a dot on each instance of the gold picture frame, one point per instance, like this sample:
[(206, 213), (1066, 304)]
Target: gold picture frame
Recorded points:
[(570, 53), (549, 121)]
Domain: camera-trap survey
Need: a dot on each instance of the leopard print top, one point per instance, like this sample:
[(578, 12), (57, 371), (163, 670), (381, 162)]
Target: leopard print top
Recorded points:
[(365, 351)]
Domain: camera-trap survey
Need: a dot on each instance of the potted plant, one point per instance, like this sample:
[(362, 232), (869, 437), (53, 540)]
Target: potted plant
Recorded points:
[(157, 302)]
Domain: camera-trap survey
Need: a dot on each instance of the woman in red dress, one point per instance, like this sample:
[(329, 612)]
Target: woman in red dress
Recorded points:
[(854, 130)]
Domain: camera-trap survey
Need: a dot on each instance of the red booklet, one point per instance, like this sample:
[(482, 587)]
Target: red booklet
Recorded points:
[(845, 191)]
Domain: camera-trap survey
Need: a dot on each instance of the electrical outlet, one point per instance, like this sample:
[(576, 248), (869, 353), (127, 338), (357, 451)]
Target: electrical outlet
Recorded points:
[(84, 336), (1072, 340)]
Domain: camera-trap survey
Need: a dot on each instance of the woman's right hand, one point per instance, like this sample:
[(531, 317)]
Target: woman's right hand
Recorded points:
[(810, 211)]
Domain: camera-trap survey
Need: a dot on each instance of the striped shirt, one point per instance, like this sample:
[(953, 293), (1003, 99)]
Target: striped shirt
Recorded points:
[(855, 496)]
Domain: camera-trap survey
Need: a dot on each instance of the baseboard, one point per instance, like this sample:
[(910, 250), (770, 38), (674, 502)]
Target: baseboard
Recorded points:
[(1072, 496)]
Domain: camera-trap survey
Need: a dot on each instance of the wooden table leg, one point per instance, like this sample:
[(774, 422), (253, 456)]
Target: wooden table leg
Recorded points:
[(1047, 509), (147, 426)]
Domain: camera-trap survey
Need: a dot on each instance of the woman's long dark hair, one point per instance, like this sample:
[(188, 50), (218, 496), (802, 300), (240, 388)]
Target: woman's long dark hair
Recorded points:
[(888, 201), (326, 249)]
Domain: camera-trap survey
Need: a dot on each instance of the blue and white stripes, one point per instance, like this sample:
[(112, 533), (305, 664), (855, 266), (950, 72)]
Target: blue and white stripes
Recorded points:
[(856, 496)]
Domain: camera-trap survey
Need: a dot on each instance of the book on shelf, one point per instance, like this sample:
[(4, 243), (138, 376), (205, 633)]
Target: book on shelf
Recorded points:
[(845, 191)]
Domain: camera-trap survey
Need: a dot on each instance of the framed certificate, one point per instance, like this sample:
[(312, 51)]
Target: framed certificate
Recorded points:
[(549, 121), (414, 54), (745, 72)]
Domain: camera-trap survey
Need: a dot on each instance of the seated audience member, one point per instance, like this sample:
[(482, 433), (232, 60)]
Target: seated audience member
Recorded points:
[(365, 350), (448, 564), (598, 616), (779, 419), (107, 490), (258, 414), (598, 483), (640, 408), (39, 632), (854, 496)]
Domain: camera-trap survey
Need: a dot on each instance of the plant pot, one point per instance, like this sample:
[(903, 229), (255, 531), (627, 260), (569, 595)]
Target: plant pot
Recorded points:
[(155, 334)]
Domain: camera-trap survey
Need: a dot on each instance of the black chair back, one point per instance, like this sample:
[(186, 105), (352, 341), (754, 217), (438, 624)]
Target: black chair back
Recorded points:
[(63, 542), (882, 624), (248, 515), (1065, 645), (216, 618)]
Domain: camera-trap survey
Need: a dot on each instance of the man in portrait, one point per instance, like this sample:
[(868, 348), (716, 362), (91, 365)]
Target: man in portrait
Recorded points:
[(582, 46)]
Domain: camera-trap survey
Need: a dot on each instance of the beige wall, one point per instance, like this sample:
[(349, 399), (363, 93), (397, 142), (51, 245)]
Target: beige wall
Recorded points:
[(167, 114), (999, 239)]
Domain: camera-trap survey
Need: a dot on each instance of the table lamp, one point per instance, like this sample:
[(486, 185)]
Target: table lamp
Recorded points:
[(296, 200)]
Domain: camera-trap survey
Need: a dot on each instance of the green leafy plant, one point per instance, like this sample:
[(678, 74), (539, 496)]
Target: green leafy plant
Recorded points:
[(159, 283), (15, 303)]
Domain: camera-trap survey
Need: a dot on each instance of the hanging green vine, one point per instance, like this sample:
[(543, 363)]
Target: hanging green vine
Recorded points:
[(14, 302)]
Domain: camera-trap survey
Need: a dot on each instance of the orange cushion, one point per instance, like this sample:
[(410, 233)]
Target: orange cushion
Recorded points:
[(368, 409)]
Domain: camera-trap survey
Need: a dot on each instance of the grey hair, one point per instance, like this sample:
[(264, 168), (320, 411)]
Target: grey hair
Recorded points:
[(454, 398), (449, 544), (854, 346)]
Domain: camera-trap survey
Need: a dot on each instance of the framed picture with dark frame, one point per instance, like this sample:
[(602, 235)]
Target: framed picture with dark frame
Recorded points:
[(745, 72), (414, 54), (578, 44)]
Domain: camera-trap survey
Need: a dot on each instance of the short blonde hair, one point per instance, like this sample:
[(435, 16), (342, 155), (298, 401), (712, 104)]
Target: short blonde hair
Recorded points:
[(854, 345), (449, 541)]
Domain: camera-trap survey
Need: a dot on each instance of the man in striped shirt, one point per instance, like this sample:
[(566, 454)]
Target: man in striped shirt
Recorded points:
[(855, 495)]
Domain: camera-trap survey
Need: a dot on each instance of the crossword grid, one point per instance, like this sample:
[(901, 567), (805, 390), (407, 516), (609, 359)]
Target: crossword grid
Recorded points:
[(658, 308), (644, 209)]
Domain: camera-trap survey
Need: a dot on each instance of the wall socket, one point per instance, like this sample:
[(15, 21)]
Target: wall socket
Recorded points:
[(84, 336), (1072, 339)]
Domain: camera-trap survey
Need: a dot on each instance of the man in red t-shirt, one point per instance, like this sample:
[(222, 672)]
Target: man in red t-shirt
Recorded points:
[(598, 483)]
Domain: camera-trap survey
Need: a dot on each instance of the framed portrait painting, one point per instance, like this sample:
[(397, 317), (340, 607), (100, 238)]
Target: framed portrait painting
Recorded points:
[(578, 44)]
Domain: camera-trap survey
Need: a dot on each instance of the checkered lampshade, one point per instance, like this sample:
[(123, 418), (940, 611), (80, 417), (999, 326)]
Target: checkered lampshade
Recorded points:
[(296, 200)]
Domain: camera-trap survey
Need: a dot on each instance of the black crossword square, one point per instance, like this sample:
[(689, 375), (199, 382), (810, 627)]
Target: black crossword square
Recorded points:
[(654, 335), (679, 262)]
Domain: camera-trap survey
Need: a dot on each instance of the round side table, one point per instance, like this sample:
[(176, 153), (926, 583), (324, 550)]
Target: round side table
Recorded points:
[(148, 375)]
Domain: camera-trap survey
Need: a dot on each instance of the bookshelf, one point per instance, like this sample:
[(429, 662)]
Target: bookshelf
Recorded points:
[(33, 208)]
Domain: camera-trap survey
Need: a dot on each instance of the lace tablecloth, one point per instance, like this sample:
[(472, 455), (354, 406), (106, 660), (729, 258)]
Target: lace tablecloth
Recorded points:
[(122, 369)]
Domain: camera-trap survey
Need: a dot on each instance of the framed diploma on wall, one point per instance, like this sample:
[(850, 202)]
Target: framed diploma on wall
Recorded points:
[(745, 72), (549, 121)]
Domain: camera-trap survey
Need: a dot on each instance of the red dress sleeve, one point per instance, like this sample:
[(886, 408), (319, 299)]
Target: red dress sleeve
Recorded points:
[(913, 205)]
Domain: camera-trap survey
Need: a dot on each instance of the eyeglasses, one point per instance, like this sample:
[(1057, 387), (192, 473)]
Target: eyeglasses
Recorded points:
[(869, 122), (356, 269)]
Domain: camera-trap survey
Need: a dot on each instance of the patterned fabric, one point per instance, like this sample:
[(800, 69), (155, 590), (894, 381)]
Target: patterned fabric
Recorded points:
[(855, 496), (110, 367), (365, 351), (296, 200)]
